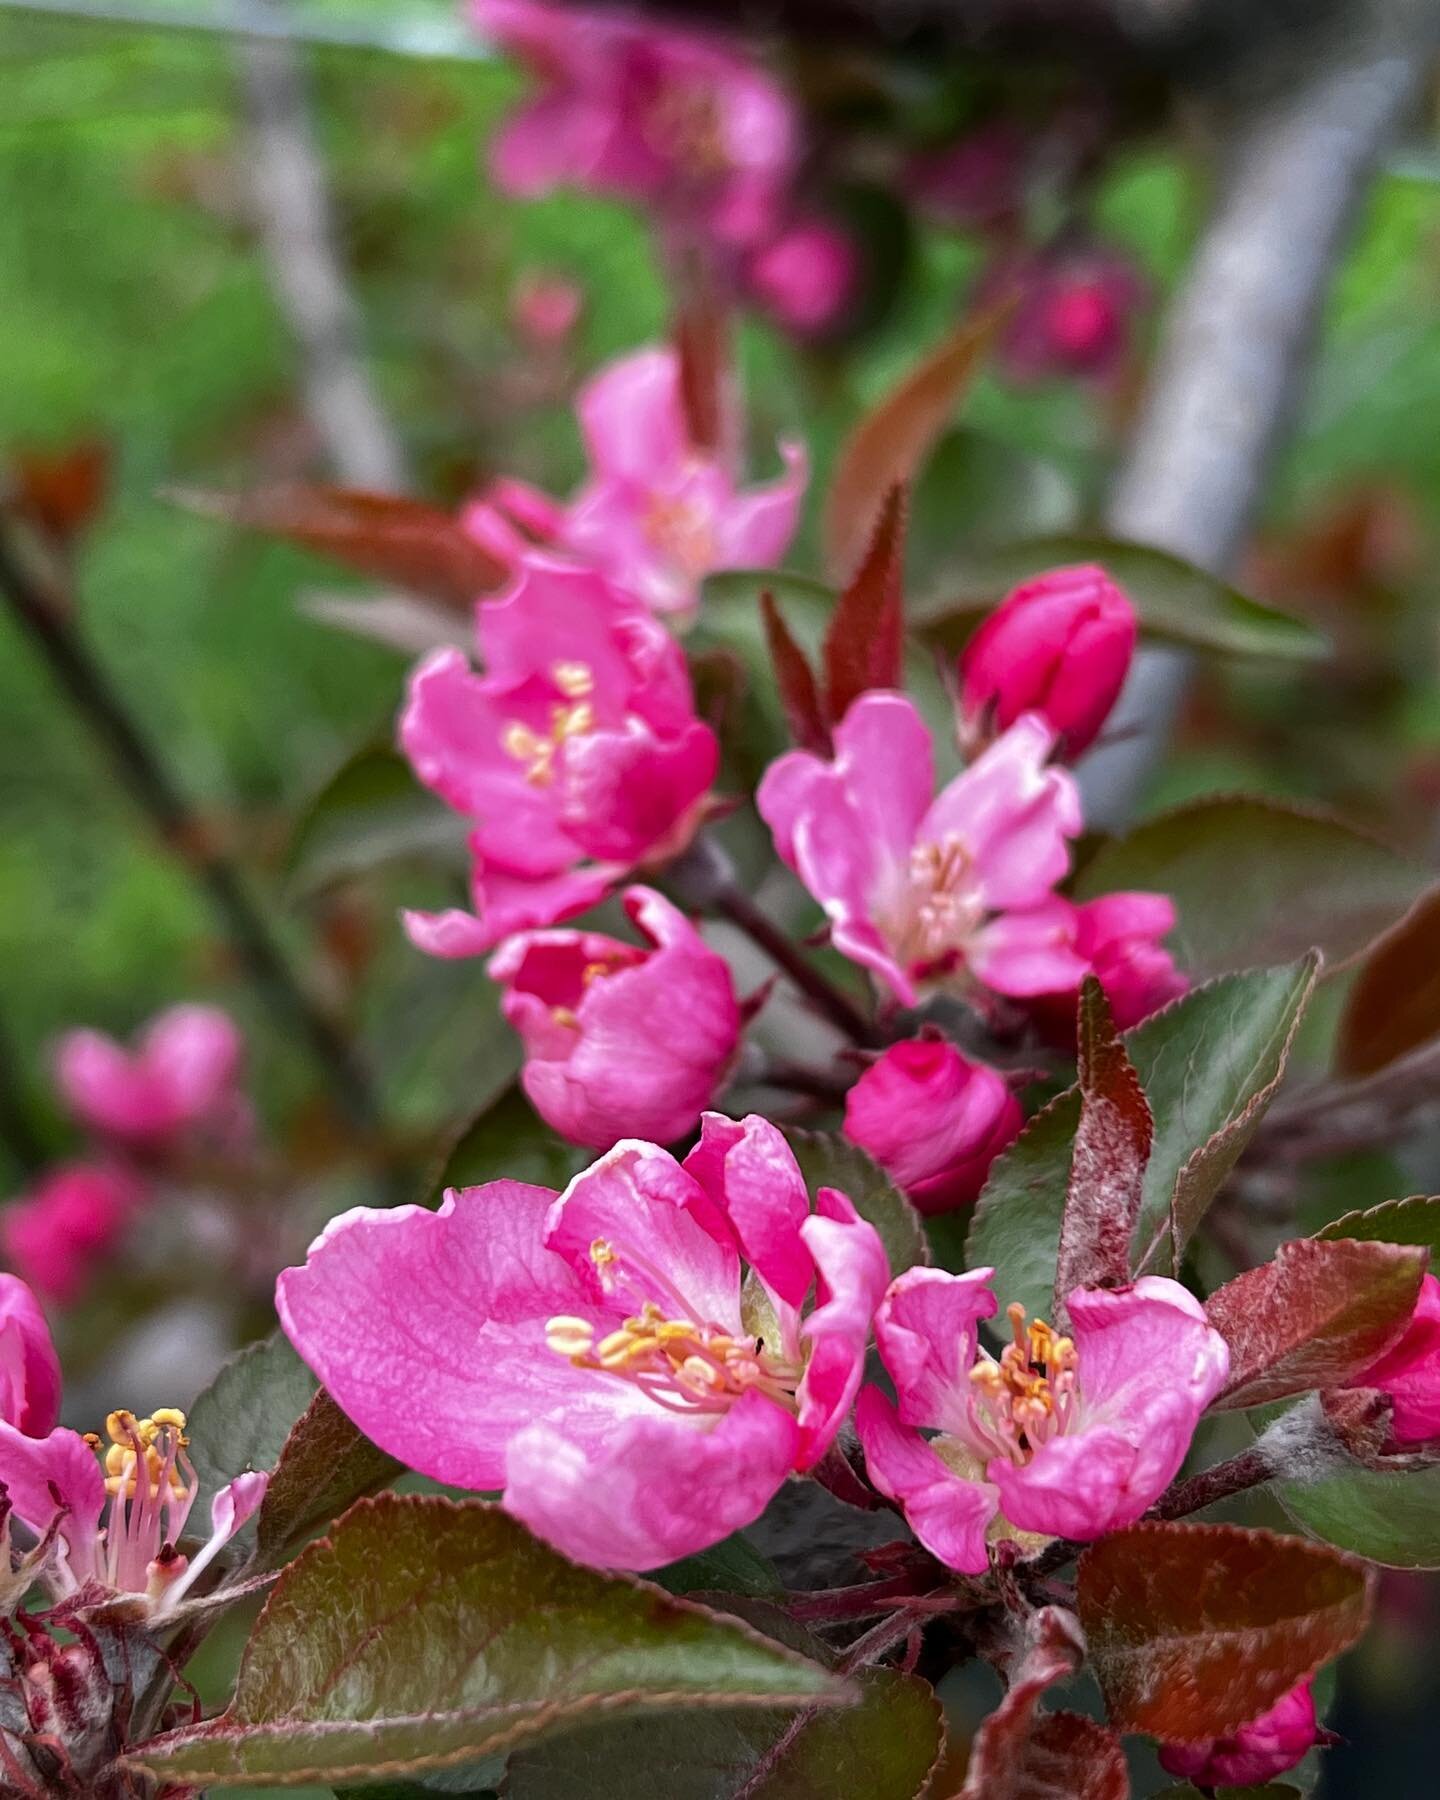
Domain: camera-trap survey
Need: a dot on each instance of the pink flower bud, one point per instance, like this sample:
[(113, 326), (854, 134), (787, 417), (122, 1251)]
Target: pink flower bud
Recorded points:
[(1266, 1747), (1072, 316), (621, 1042), (182, 1073), (1409, 1371), (29, 1367), (934, 1120), (545, 309), (806, 277), (57, 1235), (1059, 646), (1119, 936)]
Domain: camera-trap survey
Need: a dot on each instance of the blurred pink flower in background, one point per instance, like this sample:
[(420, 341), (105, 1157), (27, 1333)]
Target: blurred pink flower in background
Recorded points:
[(806, 277), (1251, 1755), (933, 1120), (1074, 315), (930, 891), (1409, 1372), (67, 1226), (977, 182), (1060, 646), (29, 1367), (599, 1065), (587, 1352), (180, 1077), (577, 753), (546, 308)]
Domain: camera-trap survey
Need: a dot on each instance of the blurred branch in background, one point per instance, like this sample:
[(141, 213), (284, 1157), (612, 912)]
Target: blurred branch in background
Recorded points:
[(438, 33)]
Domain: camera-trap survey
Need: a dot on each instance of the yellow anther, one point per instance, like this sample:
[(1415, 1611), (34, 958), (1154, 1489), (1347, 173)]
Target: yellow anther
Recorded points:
[(602, 1253), (567, 1016), (168, 1415), (574, 679), (568, 1336)]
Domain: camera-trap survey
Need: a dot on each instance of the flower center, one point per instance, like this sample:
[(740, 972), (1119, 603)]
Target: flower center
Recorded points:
[(573, 716), (939, 908), (684, 125), (152, 1485), (1029, 1395), (682, 532)]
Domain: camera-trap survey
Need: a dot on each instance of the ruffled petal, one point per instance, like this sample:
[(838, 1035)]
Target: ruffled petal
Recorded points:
[(851, 1269), (35, 1471), (751, 1176), (948, 1514), (927, 1332)]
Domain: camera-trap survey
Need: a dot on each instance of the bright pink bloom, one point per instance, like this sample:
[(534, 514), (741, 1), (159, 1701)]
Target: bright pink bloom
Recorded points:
[(932, 893), (577, 754), (657, 515), (1059, 646), (59, 1233), (806, 277), (588, 1353), (978, 181), (545, 309), (1117, 938), (619, 1041), (181, 1076), (1254, 1753), (668, 117), (1409, 1371), (1075, 313), (29, 1367), (933, 1119), (1081, 1450)]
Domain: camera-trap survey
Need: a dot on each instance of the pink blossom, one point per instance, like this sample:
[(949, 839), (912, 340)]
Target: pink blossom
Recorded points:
[(932, 1118), (589, 1353), (1251, 1755), (668, 117), (182, 1075), (1075, 312), (1060, 646), (932, 893), (1409, 1371), (1062, 1436), (599, 1066), (58, 1234), (657, 515), (577, 754), (806, 277), (29, 1367), (1117, 938)]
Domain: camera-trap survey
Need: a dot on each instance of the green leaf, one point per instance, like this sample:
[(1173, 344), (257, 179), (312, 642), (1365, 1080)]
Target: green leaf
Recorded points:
[(325, 1464), (1412, 1221), (732, 1566), (369, 813), (1257, 882), (1177, 603), (243, 1420), (425, 1633), (505, 1141), (1388, 1517), (1195, 1629), (1016, 1227), (827, 1161)]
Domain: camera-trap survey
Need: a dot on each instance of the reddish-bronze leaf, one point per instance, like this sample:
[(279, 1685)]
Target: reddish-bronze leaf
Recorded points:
[(1321, 1312), (890, 443), (1394, 1005), (403, 541), (1070, 1757), (1107, 1164), (1363, 1420), (864, 645), (61, 491), (1195, 1629), (701, 333), (1053, 1651), (795, 681)]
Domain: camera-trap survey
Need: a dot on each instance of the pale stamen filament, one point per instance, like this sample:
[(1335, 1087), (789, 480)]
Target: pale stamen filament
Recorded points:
[(1028, 1395)]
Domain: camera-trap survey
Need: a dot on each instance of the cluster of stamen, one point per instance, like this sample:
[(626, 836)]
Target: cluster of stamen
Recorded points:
[(939, 908), (593, 971), (152, 1485), (683, 533), (1029, 1395), (680, 1362), (571, 717)]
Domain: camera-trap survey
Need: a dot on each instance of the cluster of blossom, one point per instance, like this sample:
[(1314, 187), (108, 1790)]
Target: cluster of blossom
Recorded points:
[(177, 1091), (681, 122)]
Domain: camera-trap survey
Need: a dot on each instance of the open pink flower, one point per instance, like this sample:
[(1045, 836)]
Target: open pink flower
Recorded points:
[(589, 1353), (1062, 1436), (657, 515), (599, 1064), (57, 1235), (1409, 1371), (112, 1526), (1118, 939), (805, 277), (182, 1075), (1251, 1755), (29, 1367), (577, 754), (668, 117), (932, 893), (934, 1119)]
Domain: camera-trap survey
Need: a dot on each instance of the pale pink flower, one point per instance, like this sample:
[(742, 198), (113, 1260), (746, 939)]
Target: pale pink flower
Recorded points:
[(1061, 1436), (589, 1353), (805, 277), (1060, 646), (1075, 313), (932, 893), (181, 1076), (657, 515), (668, 117), (596, 1067), (933, 1119), (29, 1367), (57, 1235), (577, 753), (1254, 1753), (1409, 1372), (111, 1527)]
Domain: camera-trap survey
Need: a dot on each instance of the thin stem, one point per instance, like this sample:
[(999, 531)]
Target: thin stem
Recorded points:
[(732, 903), (1247, 1470), (43, 609)]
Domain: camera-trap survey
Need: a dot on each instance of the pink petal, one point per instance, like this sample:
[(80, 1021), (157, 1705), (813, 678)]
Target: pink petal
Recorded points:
[(1409, 1371), (194, 1053), (557, 612), (852, 1270), (29, 1366), (509, 904), (429, 1329), (756, 529), (109, 1090), (632, 419), (31, 1467), (1081, 1486), (751, 1175), (658, 1488), (927, 1333), (1029, 951), (948, 1514), (626, 795)]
